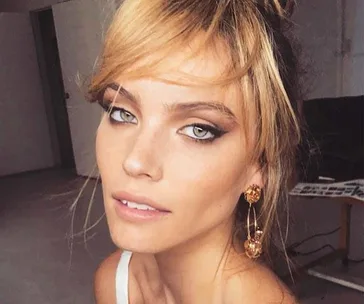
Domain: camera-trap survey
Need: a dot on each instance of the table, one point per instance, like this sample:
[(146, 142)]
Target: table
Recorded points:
[(347, 199)]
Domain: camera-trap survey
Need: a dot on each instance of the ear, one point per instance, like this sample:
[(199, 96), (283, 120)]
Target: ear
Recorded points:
[(254, 177)]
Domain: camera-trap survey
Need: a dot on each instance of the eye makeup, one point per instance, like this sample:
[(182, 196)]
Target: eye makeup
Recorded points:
[(118, 115), (196, 132), (199, 131)]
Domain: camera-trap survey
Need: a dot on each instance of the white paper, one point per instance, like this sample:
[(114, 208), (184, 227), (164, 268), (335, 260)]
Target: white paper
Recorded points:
[(352, 189)]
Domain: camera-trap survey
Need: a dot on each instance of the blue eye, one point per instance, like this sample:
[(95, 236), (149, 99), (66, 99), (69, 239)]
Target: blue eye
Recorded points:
[(118, 115), (197, 132), (201, 132), (122, 116)]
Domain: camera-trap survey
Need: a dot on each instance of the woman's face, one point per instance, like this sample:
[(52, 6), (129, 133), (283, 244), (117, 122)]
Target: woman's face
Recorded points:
[(178, 149)]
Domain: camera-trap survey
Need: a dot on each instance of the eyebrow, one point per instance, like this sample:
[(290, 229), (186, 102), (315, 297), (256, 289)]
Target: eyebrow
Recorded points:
[(123, 92), (179, 107)]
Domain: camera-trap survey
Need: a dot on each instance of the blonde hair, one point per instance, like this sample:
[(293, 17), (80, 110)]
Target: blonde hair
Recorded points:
[(252, 32)]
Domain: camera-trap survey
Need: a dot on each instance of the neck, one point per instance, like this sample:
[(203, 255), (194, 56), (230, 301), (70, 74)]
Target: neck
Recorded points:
[(196, 267)]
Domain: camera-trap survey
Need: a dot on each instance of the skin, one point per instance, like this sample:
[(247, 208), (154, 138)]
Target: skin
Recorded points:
[(176, 259)]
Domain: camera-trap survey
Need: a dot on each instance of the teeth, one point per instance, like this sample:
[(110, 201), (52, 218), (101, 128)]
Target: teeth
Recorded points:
[(137, 206)]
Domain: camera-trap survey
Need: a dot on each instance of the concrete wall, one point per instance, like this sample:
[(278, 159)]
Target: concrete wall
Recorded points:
[(24, 137)]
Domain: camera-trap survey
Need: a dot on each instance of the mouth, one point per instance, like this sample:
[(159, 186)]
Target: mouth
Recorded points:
[(134, 205), (131, 206)]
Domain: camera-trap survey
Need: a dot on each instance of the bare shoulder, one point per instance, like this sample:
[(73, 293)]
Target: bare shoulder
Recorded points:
[(104, 284), (256, 284)]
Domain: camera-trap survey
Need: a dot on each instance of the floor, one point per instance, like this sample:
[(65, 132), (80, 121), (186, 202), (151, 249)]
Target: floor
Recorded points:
[(40, 263)]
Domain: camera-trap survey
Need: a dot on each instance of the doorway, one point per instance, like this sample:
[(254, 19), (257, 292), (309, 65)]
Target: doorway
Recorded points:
[(53, 87)]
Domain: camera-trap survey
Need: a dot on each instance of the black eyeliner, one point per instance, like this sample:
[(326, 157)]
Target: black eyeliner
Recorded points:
[(110, 109), (105, 106), (215, 131)]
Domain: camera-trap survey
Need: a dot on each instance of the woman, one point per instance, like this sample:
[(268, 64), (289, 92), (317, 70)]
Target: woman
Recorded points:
[(198, 125)]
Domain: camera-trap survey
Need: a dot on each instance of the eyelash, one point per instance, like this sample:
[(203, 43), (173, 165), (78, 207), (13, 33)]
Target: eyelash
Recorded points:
[(109, 109), (216, 132)]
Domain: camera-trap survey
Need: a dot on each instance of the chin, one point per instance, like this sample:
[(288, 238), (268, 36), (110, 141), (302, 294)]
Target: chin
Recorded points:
[(136, 240), (137, 247), (138, 235)]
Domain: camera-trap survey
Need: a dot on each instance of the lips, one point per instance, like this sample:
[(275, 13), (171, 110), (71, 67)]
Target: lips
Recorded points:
[(138, 202)]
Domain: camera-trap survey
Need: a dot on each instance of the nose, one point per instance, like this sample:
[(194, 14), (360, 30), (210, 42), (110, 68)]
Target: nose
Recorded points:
[(143, 159)]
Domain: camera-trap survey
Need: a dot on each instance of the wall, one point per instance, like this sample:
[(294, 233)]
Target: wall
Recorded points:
[(353, 76), (318, 30), (79, 27), (25, 70), (28, 5), (334, 69), (331, 36), (25, 5), (24, 138)]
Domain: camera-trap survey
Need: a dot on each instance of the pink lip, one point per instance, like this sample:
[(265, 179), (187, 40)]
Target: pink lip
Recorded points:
[(137, 215), (122, 195)]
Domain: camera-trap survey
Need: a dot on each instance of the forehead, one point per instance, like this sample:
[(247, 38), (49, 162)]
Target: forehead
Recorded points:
[(206, 62), (190, 71)]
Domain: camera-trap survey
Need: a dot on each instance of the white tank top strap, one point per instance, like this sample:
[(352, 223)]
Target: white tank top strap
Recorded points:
[(122, 278)]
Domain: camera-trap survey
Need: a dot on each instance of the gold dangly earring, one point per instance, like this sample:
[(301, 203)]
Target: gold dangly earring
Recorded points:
[(253, 245)]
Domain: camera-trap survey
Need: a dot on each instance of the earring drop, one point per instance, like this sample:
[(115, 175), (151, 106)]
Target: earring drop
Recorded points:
[(253, 245)]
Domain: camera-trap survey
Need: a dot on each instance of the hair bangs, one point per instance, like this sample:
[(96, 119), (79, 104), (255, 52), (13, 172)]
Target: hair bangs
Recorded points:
[(144, 34)]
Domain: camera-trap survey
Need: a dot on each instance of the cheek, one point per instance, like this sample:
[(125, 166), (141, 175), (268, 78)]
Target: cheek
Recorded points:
[(213, 167), (214, 175), (208, 183)]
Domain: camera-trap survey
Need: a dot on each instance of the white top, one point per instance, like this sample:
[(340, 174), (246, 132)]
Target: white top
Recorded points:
[(122, 278)]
